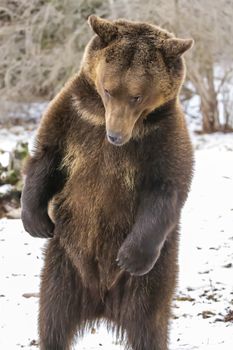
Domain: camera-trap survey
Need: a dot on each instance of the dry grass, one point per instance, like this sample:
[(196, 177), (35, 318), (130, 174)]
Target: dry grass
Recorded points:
[(41, 43)]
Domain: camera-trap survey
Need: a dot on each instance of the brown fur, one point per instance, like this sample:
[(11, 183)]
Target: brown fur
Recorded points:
[(116, 210)]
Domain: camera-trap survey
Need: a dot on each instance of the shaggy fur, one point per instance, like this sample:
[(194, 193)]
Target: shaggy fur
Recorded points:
[(116, 199)]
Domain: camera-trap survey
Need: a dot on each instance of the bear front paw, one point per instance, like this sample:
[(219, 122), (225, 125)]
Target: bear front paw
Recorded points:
[(37, 223), (137, 259)]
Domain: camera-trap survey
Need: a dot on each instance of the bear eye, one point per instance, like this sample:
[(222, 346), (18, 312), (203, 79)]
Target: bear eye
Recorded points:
[(107, 93), (136, 99)]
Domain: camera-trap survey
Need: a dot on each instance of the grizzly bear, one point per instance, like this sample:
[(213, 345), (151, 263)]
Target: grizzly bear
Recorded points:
[(114, 160)]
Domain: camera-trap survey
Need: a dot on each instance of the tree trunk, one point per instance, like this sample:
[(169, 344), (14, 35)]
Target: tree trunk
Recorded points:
[(209, 111), (209, 105)]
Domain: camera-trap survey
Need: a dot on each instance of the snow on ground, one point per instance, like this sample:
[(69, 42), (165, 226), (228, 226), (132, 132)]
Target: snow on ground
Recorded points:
[(9, 137), (205, 293), (19, 125)]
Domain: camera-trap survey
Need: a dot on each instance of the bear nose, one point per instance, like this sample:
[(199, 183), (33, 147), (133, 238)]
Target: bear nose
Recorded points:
[(114, 137)]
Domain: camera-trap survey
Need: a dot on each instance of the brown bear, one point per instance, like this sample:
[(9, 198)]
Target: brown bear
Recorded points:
[(113, 154)]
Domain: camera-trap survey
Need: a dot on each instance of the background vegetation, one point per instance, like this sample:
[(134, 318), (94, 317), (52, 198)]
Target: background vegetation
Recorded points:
[(42, 41)]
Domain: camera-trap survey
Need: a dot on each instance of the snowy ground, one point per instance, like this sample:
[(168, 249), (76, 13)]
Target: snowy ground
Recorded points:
[(202, 308)]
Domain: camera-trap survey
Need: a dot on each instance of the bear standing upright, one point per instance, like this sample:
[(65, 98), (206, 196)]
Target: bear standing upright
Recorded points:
[(113, 155)]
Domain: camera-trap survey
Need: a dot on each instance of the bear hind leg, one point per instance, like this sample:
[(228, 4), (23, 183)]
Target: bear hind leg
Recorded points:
[(144, 317), (62, 301), (147, 337)]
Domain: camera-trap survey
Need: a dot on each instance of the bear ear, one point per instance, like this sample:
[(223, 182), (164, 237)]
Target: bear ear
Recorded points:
[(175, 47), (105, 29)]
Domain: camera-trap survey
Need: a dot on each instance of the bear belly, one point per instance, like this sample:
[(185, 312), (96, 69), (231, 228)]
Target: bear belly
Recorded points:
[(96, 216)]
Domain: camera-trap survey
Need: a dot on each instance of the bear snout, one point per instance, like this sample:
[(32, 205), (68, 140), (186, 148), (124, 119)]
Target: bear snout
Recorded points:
[(116, 138)]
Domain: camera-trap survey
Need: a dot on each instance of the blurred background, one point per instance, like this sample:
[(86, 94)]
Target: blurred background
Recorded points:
[(41, 45)]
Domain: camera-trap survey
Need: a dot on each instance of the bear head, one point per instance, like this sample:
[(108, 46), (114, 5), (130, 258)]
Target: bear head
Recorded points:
[(136, 68)]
